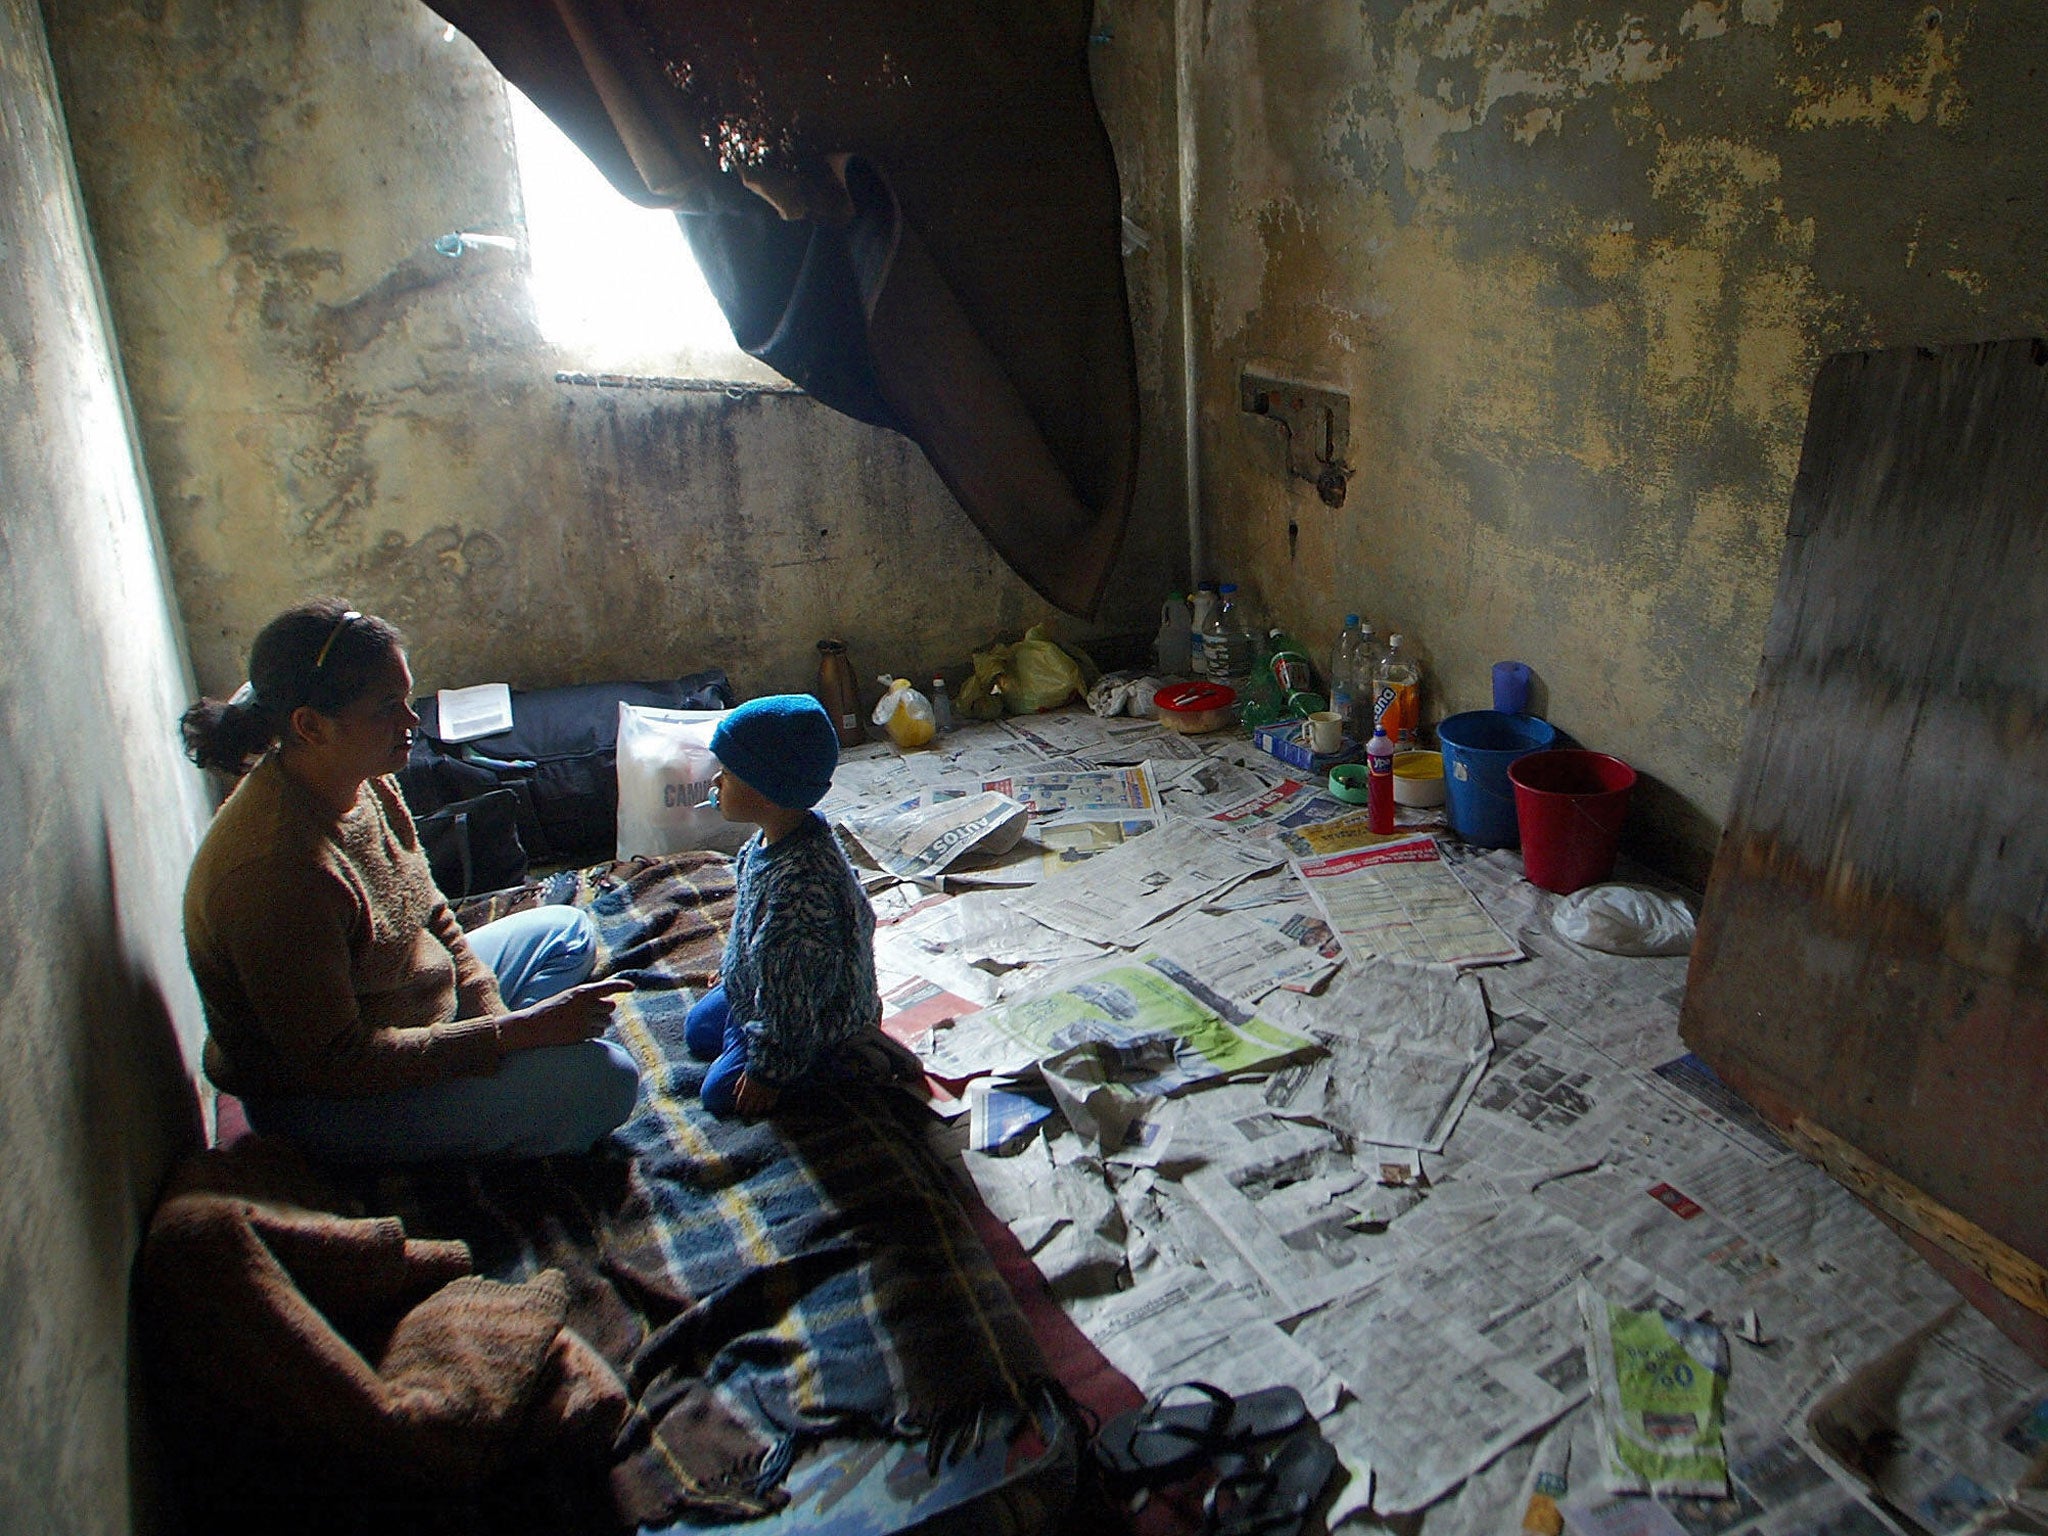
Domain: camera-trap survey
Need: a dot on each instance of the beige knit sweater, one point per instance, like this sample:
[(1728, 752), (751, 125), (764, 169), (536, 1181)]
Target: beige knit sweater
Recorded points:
[(327, 961)]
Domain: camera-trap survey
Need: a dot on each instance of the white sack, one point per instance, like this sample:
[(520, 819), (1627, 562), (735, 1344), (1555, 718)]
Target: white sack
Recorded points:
[(1625, 920), (665, 774)]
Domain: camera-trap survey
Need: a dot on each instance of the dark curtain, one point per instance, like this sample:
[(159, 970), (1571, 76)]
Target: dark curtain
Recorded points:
[(908, 207)]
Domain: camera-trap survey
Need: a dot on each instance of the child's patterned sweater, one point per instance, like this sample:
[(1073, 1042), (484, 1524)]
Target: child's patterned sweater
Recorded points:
[(799, 967)]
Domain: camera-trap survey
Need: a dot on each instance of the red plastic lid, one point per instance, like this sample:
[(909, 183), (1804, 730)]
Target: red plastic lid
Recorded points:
[(1195, 698)]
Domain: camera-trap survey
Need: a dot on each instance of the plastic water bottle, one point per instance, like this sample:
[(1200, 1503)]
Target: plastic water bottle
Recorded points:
[(1227, 643), (1379, 784), (1343, 671), (942, 706), (1397, 697), (1201, 609), (1173, 647)]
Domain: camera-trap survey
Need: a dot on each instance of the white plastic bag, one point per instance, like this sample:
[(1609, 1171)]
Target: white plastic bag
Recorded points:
[(665, 774), (1625, 920)]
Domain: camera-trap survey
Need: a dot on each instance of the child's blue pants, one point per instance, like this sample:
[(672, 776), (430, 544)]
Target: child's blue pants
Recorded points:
[(713, 1035)]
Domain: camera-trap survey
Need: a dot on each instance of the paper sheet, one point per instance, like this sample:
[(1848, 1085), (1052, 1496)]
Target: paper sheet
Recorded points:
[(1143, 1009), (1112, 897), (1399, 901)]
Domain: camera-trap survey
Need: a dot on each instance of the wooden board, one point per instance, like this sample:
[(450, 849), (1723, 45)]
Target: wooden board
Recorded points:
[(1873, 950)]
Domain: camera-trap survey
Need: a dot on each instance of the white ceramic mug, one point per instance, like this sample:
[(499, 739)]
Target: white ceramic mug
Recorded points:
[(1325, 731)]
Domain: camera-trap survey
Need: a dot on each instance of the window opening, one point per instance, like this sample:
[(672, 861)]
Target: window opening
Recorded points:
[(616, 290)]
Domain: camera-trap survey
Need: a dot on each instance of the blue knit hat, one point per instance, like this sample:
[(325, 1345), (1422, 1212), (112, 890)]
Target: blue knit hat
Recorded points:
[(782, 745)]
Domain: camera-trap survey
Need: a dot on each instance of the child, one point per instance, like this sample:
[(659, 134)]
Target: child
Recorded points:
[(798, 977)]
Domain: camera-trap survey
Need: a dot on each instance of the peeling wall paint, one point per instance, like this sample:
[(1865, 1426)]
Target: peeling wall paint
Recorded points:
[(98, 819), (329, 405), (1576, 266)]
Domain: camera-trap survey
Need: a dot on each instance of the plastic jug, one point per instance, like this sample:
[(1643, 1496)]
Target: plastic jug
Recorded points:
[(1174, 644)]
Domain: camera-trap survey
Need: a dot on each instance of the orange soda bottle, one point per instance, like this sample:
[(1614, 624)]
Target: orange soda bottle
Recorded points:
[(1397, 697)]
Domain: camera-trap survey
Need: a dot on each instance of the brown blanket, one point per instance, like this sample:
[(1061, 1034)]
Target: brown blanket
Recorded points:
[(281, 1333)]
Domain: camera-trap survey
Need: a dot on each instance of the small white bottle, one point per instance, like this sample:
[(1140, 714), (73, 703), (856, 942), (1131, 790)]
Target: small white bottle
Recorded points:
[(942, 706)]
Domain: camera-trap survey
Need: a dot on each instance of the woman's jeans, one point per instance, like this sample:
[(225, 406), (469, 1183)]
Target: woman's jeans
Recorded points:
[(559, 1098)]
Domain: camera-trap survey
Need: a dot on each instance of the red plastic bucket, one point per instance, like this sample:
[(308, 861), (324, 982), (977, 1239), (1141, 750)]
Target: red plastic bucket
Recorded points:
[(1571, 806)]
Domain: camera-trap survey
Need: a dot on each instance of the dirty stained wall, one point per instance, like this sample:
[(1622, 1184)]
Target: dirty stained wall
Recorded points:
[(98, 819), (329, 405), (1576, 265)]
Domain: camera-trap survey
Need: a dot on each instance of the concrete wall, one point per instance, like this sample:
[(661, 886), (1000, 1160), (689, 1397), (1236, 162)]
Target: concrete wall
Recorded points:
[(1576, 265), (98, 819), (327, 405)]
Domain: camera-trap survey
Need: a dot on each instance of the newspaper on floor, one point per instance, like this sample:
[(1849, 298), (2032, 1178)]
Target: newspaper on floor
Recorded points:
[(1051, 848), (1111, 897), (1400, 901), (1276, 808), (1186, 1324), (916, 840), (1946, 1428), (1205, 784), (1353, 829), (1097, 741), (1245, 955), (1469, 1345), (1627, 1006), (982, 929), (1407, 1047), (1064, 1216), (1147, 1015), (1053, 793)]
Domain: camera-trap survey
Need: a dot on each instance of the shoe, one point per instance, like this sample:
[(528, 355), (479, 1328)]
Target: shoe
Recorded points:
[(1167, 1440), (1273, 1499)]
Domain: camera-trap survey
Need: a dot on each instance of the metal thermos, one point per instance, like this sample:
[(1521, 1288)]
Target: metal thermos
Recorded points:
[(837, 691)]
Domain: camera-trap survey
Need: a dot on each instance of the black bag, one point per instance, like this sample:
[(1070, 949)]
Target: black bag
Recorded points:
[(473, 846), (560, 760)]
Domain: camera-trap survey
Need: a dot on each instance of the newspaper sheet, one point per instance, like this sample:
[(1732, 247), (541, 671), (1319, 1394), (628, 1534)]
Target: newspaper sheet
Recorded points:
[(1111, 897), (1157, 1023), (1466, 1348), (1185, 1324), (1939, 1430), (1626, 1006), (1270, 811), (1206, 784), (1049, 848), (1053, 793), (1352, 829), (1407, 1047), (1100, 741), (1400, 901), (982, 929), (1065, 1217), (1243, 956), (916, 840)]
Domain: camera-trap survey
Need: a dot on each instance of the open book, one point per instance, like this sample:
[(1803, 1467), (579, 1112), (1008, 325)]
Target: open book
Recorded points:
[(467, 713)]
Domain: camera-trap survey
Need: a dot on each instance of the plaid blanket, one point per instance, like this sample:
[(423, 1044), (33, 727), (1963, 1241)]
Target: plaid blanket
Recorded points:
[(758, 1286)]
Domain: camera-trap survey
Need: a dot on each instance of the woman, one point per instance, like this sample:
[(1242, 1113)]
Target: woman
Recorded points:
[(344, 1006)]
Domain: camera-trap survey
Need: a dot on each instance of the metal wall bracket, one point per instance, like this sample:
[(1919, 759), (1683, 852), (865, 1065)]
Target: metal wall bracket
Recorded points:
[(1318, 427)]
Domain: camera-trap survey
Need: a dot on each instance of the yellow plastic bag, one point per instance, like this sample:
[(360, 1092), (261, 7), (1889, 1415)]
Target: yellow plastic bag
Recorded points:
[(1034, 674), (905, 714)]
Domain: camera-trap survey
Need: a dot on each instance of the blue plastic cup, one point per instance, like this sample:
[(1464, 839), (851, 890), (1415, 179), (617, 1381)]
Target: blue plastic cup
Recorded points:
[(1478, 746), (1511, 687)]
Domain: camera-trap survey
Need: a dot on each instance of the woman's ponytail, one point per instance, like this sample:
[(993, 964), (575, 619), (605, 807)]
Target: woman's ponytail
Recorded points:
[(227, 734)]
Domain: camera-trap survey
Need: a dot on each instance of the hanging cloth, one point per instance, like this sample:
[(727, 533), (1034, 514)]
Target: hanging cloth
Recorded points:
[(906, 207)]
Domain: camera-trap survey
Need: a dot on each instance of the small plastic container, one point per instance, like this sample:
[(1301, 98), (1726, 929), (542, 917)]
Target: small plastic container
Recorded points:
[(1193, 708), (1419, 779)]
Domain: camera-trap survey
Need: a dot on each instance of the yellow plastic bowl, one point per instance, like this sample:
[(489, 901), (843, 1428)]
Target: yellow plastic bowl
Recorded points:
[(1419, 779)]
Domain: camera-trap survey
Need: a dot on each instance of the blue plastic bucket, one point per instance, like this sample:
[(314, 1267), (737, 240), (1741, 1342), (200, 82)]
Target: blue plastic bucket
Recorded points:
[(1478, 746)]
